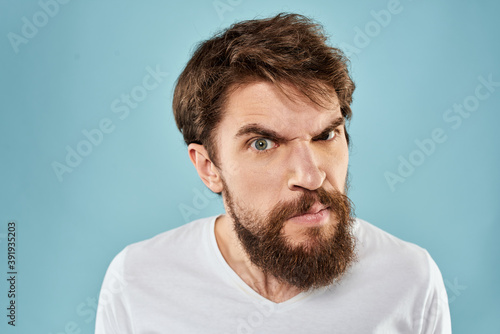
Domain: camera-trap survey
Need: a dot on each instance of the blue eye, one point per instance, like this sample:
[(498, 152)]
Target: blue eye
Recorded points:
[(262, 144)]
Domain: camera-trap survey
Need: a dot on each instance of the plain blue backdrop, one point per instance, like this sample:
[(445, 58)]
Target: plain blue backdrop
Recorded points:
[(67, 68)]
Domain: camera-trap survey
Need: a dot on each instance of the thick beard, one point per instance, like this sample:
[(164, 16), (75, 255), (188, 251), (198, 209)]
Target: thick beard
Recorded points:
[(322, 259)]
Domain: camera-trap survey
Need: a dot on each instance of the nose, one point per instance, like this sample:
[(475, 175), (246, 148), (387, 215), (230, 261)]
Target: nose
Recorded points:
[(304, 168)]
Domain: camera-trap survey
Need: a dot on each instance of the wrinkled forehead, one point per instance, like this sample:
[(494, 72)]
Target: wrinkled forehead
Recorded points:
[(282, 108), (314, 93), (279, 99)]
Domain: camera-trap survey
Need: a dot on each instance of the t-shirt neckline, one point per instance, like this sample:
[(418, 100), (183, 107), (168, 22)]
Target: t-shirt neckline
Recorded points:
[(244, 287)]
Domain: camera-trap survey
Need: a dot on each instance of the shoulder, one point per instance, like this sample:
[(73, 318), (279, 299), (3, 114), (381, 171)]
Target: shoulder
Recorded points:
[(377, 247), (399, 277), (166, 248), (176, 237), (372, 237)]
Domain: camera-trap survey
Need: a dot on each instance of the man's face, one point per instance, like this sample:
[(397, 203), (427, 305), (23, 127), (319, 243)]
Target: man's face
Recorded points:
[(283, 164)]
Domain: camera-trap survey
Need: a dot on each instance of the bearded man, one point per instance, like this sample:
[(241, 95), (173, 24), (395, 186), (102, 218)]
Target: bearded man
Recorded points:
[(263, 108)]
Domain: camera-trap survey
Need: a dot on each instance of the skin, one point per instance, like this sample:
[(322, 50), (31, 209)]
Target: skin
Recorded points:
[(306, 155)]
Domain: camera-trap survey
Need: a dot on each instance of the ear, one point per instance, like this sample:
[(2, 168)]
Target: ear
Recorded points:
[(206, 169)]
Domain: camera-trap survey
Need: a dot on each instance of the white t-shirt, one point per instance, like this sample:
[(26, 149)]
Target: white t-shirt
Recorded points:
[(179, 282)]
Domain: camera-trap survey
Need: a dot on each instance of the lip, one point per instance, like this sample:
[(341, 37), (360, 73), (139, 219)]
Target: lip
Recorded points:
[(317, 215)]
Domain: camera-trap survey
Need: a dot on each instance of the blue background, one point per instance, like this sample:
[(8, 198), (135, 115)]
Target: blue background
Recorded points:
[(138, 180)]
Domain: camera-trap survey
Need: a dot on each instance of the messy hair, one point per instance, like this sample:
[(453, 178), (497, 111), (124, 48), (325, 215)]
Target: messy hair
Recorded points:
[(287, 49)]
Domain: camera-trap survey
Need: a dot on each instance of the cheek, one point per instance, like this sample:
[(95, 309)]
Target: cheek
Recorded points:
[(257, 186), (336, 169), (342, 172)]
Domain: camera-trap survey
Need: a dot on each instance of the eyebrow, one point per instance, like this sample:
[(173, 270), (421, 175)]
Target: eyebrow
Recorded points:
[(257, 129), (260, 130), (333, 125)]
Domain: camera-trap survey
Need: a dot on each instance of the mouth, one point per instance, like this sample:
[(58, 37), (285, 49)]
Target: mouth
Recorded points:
[(317, 215)]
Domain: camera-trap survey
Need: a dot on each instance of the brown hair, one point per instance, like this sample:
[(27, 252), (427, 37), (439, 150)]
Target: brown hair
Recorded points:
[(285, 49)]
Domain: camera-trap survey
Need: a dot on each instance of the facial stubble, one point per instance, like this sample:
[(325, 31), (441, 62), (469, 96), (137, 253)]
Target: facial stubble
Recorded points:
[(319, 259)]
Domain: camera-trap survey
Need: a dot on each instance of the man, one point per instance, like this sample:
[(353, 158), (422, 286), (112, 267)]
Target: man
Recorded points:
[(263, 108)]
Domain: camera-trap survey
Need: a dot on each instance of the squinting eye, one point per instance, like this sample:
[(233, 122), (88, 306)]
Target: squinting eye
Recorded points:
[(330, 135), (262, 144)]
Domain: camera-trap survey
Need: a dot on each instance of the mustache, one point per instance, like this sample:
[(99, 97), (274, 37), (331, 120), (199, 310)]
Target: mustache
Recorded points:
[(334, 200)]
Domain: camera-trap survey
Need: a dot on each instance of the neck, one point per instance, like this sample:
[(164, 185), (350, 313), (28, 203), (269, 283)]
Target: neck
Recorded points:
[(231, 249)]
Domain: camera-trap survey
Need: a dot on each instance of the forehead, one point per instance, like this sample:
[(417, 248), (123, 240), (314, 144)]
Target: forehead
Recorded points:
[(287, 110)]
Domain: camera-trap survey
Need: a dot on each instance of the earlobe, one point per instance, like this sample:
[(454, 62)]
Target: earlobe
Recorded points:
[(206, 169)]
